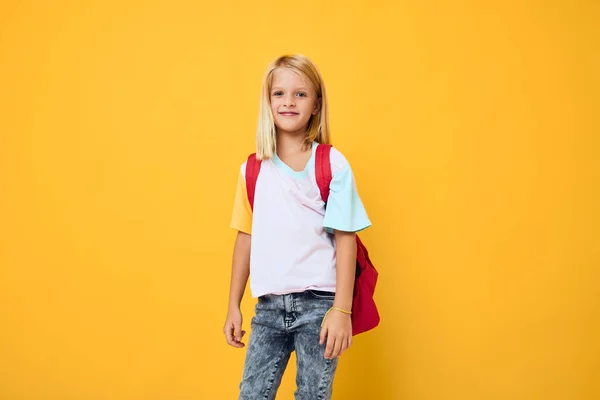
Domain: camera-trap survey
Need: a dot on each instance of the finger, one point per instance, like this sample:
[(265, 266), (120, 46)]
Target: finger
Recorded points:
[(344, 346), (323, 335), (238, 343), (237, 331), (228, 333), (330, 346), (337, 347)]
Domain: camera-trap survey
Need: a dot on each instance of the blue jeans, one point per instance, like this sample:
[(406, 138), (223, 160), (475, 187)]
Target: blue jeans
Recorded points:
[(282, 324)]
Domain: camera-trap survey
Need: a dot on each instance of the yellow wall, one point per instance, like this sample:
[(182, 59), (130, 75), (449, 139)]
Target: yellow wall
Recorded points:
[(473, 133)]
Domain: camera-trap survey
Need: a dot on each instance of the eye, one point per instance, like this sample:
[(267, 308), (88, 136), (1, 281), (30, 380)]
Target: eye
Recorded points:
[(277, 93), (302, 94)]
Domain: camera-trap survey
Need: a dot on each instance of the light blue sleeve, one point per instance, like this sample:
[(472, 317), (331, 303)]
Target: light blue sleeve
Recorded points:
[(345, 210)]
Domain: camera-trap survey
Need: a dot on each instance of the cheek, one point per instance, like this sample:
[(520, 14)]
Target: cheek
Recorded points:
[(310, 108), (274, 105)]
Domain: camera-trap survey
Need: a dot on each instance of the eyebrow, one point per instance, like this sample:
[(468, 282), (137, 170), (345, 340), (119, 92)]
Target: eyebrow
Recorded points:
[(298, 88)]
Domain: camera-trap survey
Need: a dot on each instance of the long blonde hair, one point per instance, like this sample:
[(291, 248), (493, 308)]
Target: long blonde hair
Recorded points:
[(318, 125)]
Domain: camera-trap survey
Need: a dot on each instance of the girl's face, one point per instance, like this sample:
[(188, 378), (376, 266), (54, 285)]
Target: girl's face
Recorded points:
[(293, 101)]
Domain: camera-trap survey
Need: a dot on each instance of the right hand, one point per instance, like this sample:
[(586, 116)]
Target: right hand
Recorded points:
[(233, 328)]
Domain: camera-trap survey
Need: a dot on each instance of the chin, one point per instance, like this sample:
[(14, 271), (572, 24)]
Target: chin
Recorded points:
[(288, 126), (291, 128)]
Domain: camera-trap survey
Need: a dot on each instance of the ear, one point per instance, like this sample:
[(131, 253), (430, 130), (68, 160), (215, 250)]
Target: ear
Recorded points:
[(317, 108)]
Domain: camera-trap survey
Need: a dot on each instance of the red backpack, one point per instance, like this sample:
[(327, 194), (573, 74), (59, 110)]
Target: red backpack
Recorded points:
[(364, 311)]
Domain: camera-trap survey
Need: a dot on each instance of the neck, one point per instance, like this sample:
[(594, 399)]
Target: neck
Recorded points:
[(290, 144)]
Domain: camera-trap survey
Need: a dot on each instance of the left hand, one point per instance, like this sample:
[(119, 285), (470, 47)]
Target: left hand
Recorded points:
[(337, 329)]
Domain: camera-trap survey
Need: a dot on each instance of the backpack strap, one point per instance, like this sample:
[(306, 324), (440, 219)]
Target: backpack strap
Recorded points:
[(323, 170), (323, 174), (252, 170)]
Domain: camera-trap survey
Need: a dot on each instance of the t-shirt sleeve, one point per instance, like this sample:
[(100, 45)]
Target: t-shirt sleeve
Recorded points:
[(345, 210), (241, 217)]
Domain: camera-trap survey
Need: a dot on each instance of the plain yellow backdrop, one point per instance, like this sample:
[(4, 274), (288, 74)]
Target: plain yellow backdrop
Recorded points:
[(472, 128)]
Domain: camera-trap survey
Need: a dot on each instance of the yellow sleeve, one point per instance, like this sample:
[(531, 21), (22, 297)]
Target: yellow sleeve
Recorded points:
[(241, 218)]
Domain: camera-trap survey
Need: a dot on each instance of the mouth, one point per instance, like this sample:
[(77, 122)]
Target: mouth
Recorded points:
[(288, 114)]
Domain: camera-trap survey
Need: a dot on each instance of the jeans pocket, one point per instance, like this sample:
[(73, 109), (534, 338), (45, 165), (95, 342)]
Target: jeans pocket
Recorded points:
[(320, 294)]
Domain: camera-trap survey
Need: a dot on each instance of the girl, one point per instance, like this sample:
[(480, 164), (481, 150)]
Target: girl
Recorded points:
[(299, 254)]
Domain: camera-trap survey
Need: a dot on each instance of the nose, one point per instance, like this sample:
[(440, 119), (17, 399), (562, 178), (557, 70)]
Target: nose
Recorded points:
[(290, 101)]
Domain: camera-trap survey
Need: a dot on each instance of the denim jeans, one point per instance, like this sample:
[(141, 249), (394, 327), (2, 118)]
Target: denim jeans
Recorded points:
[(282, 324)]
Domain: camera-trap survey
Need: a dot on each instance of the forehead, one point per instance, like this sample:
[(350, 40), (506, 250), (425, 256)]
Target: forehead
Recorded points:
[(288, 78)]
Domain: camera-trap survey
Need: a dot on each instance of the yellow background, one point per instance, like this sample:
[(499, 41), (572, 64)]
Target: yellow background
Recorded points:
[(472, 128)]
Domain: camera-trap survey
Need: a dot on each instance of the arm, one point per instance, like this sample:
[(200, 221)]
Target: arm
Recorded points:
[(345, 269), (337, 327), (239, 277), (344, 215)]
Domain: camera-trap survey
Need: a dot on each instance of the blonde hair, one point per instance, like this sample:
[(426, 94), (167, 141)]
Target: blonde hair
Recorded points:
[(318, 125)]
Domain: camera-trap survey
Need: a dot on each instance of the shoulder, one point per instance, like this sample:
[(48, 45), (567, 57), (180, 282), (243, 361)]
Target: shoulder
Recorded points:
[(338, 161), (243, 168), (245, 163), (255, 165)]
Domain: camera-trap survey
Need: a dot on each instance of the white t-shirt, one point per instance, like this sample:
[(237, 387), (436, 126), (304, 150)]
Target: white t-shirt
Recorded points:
[(292, 245)]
